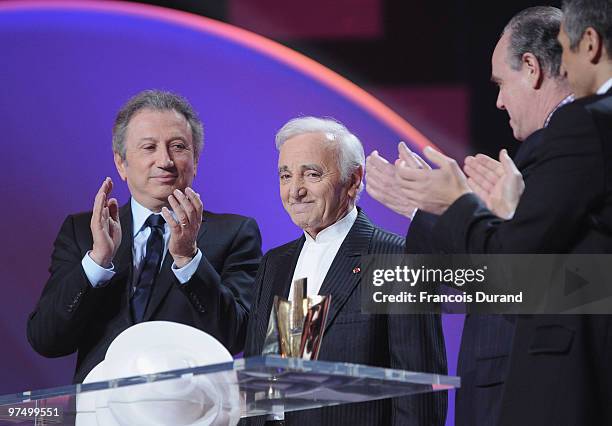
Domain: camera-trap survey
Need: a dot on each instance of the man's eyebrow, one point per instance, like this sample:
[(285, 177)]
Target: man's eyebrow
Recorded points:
[(177, 137), (148, 139), (303, 167), (170, 139), (311, 167)]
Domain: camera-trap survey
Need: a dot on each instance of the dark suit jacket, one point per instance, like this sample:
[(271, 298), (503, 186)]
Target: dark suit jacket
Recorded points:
[(560, 370), (420, 238), (486, 341), (71, 315), (566, 206), (410, 342)]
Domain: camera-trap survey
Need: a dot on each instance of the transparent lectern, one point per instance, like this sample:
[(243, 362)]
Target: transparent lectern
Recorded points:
[(216, 394)]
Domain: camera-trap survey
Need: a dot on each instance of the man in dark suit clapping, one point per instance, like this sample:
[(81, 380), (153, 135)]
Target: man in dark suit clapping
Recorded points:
[(526, 66), (159, 257), (559, 370)]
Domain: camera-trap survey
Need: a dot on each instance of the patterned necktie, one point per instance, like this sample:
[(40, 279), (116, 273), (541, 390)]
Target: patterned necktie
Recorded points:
[(150, 267)]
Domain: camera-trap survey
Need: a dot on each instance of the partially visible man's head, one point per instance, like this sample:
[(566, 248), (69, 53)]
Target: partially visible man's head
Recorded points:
[(157, 140), (320, 167), (527, 59), (586, 37)]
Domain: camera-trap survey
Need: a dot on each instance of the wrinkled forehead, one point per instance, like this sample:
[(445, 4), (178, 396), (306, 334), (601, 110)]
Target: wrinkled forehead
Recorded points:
[(308, 148), (151, 123)]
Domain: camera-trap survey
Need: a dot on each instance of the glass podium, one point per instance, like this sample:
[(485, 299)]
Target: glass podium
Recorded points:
[(217, 394)]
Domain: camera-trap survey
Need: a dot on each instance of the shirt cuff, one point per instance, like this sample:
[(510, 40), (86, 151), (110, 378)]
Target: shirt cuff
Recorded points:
[(185, 273), (96, 274)]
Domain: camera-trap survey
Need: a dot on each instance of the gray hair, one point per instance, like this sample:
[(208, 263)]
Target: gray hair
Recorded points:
[(350, 151), (156, 100), (534, 30), (578, 15)]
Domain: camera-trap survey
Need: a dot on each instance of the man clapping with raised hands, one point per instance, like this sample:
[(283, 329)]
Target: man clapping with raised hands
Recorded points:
[(159, 257)]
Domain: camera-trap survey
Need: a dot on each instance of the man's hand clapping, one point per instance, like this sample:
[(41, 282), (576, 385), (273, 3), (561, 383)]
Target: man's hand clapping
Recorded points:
[(498, 183), (187, 207), (105, 226)]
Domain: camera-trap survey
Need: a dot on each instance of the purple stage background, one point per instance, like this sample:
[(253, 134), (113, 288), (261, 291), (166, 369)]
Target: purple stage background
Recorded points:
[(67, 68)]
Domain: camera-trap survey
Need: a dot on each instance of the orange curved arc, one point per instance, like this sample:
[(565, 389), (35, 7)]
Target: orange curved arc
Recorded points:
[(247, 38)]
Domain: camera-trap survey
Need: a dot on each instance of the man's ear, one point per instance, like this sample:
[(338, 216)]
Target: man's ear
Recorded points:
[(532, 68), (121, 165), (592, 44), (356, 179)]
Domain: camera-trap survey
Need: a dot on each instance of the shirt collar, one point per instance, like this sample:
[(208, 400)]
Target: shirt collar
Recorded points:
[(140, 214), (336, 231), (568, 99), (605, 87)]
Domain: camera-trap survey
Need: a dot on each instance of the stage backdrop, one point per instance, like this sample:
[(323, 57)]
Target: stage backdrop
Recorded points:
[(66, 68)]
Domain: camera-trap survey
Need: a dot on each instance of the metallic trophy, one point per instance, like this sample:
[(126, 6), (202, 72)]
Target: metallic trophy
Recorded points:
[(296, 327)]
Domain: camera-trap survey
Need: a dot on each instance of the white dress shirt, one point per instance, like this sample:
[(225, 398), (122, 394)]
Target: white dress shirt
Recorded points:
[(605, 87), (98, 275), (318, 253)]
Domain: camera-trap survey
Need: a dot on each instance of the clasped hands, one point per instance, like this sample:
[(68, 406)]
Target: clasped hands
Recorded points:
[(106, 227), (410, 183)]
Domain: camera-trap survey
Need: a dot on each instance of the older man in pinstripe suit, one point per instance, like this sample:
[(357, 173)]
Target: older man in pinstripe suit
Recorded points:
[(320, 168)]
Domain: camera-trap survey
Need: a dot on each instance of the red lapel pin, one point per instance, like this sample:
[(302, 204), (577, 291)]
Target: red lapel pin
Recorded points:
[(356, 270)]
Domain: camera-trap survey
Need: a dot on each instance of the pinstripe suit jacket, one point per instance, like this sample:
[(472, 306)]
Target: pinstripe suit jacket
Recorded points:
[(410, 342)]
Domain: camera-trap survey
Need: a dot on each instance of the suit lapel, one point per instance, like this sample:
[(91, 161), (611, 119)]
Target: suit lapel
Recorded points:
[(345, 271), (276, 282), (339, 282), (284, 265), (166, 279)]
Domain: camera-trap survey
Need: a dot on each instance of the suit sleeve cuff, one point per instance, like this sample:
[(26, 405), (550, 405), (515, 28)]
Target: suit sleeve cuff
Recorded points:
[(185, 273), (96, 274)]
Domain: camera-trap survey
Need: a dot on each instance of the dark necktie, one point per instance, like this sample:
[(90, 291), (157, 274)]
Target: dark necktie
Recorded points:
[(150, 267)]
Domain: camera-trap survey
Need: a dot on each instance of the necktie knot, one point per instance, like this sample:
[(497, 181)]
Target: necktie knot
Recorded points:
[(156, 221)]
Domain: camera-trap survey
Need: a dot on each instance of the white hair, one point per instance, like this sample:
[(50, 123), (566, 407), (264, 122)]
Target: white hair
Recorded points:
[(348, 147)]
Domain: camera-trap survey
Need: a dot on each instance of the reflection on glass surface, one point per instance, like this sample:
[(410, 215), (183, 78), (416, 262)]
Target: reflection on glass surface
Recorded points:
[(223, 392)]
